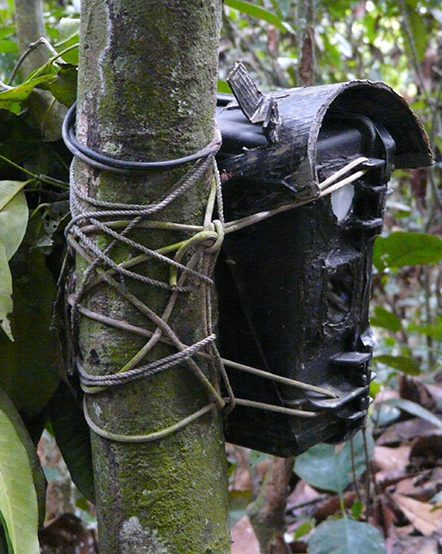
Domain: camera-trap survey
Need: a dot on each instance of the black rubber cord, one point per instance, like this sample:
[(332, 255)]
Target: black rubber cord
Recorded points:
[(107, 163)]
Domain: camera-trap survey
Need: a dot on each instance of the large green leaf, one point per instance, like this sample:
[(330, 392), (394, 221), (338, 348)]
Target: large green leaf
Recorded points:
[(416, 36), (415, 409), (329, 467), (37, 473), (64, 86), (8, 189), (13, 96), (18, 497), (404, 248), (28, 367), (73, 438), (385, 319), (259, 13), (13, 215), (5, 293), (433, 330), (346, 536), (405, 364)]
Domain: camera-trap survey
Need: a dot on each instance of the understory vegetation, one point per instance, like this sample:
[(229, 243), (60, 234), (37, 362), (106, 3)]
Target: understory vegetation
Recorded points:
[(383, 489)]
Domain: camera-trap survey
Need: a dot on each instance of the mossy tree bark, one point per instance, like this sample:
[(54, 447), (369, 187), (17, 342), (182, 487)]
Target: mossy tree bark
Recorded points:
[(147, 81)]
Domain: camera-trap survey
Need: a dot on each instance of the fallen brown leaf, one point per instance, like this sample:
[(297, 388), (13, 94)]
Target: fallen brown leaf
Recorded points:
[(426, 451), (436, 393), (405, 531), (404, 431), (385, 395), (416, 391), (302, 495), (419, 514), (391, 459), (64, 531), (412, 545), (244, 540), (387, 479), (422, 487)]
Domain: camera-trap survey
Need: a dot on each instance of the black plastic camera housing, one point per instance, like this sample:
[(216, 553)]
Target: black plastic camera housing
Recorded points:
[(294, 289)]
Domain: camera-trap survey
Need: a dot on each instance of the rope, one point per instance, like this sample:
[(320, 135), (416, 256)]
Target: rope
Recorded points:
[(191, 263), (326, 187)]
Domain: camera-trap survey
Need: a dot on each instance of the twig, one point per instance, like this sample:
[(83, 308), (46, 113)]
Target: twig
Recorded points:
[(31, 47), (308, 503), (353, 470), (41, 177)]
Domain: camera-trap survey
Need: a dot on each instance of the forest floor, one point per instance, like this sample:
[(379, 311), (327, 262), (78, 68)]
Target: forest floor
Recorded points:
[(401, 494), (404, 483)]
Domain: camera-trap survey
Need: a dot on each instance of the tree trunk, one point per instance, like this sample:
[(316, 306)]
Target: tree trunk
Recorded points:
[(306, 41), (267, 512), (30, 27), (147, 81), (46, 113)]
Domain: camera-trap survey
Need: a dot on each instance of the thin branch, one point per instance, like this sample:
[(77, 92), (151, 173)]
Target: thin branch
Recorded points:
[(31, 47)]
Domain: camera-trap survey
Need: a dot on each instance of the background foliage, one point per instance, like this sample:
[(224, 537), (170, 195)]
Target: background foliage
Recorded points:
[(285, 44)]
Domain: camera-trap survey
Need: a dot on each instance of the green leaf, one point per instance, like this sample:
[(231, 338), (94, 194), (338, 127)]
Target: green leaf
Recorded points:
[(8, 47), (404, 248), (5, 294), (259, 13), (304, 529), (37, 473), (357, 509), (419, 35), (13, 215), (18, 498), (224, 87), (434, 330), (414, 409), (64, 87), (346, 536), (386, 319), (28, 367), (8, 189), (73, 438), (69, 28), (405, 364), (7, 31), (10, 98), (329, 467)]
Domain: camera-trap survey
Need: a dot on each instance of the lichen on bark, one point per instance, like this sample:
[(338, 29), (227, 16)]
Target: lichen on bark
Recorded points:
[(147, 81)]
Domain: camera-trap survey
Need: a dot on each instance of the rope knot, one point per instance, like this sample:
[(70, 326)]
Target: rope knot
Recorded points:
[(217, 227)]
